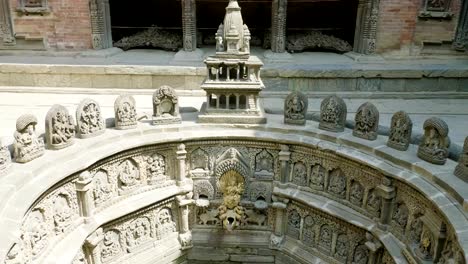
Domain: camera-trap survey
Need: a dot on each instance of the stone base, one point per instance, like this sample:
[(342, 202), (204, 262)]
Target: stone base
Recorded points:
[(188, 56), (167, 120), (102, 53), (203, 117), (273, 57), (363, 57)]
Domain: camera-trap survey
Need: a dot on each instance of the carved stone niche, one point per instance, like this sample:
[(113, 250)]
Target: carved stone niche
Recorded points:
[(5, 159), (264, 165), (125, 112), (260, 194), (366, 122), (461, 171), (337, 183), (432, 239), (203, 192), (37, 7), (59, 128), (27, 145), (436, 9), (89, 120), (166, 106), (435, 142), (199, 163), (295, 108), (333, 114), (400, 131)]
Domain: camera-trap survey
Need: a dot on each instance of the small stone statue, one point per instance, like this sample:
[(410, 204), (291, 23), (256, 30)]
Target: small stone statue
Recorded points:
[(333, 114), (89, 119), (400, 131), (59, 127), (295, 108), (461, 171), (434, 145), (166, 106), (219, 38), (27, 145), (366, 122), (5, 159), (125, 112)]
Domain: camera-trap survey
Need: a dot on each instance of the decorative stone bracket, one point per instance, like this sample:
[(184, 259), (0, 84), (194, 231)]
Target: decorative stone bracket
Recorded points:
[(185, 235), (277, 236)]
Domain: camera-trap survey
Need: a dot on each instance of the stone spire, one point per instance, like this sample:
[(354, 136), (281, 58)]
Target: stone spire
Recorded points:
[(233, 36)]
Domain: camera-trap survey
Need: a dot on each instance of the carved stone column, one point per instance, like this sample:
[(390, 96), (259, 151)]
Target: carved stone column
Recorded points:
[(386, 191), (6, 27), (185, 235), (366, 26), (189, 24), (91, 247), (278, 25), (83, 188), (461, 37), (100, 24), (284, 157), (277, 236), (374, 246), (181, 156)]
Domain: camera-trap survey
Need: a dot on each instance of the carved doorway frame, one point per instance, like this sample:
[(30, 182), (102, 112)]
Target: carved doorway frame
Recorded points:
[(6, 24), (367, 18), (460, 41), (101, 34)]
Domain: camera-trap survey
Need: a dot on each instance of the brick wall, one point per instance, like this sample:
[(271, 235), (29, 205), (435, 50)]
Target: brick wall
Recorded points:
[(66, 27), (399, 25)]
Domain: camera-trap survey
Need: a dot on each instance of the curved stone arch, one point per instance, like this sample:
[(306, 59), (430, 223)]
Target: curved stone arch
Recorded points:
[(107, 142)]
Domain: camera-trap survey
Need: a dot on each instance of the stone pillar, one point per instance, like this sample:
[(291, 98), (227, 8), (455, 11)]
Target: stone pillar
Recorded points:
[(91, 247), (277, 236), (374, 246), (181, 156), (284, 156), (6, 27), (83, 188), (189, 25), (461, 37), (386, 191), (100, 24), (278, 25), (366, 26), (185, 235)]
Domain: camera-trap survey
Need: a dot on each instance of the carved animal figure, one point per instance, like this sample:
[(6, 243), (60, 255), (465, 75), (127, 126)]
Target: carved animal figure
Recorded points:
[(209, 217), (254, 217)]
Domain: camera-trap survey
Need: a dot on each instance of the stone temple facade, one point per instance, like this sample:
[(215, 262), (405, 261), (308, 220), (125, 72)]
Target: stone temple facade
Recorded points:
[(110, 163)]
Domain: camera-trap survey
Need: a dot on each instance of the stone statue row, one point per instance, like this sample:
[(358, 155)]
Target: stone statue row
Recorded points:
[(433, 148)]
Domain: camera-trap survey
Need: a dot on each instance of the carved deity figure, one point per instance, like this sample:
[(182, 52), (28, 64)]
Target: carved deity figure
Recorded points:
[(416, 230), (129, 176), (231, 213), (361, 255), (35, 233), (89, 119), (400, 131), (111, 245), (138, 232), (425, 249), (27, 145), (102, 188), (325, 237), (300, 174), (373, 203), (295, 108), (62, 213), (317, 176), (294, 224), (125, 112), (342, 246), (166, 224), (219, 38), (156, 168), (60, 128), (461, 171), (308, 235), (333, 113), (366, 122), (337, 184), (5, 159), (357, 193), (434, 145), (400, 217), (166, 106)]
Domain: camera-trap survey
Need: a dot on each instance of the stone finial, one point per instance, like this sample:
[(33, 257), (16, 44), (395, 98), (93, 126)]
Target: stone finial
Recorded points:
[(400, 131), (295, 108), (5, 159), (125, 112), (461, 171), (166, 106), (333, 114), (434, 145), (59, 128), (27, 145), (89, 119), (366, 122), (234, 36)]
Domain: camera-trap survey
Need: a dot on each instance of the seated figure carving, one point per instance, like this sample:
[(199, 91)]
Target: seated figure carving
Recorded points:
[(27, 145), (60, 128), (333, 114), (434, 145), (295, 108), (366, 122)]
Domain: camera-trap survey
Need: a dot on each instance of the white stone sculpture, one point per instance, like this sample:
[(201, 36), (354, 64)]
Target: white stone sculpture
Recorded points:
[(60, 128), (435, 143), (125, 112), (166, 106), (27, 145), (89, 119)]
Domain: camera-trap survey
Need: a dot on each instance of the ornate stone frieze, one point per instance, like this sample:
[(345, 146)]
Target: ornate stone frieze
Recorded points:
[(435, 142), (333, 114), (5, 159), (60, 128), (89, 119), (295, 108), (366, 122), (125, 112), (166, 106), (27, 145), (314, 40), (156, 169), (264, 165), (337, 183), (152, 37), (400, 131), (461, 171), (299, 174)]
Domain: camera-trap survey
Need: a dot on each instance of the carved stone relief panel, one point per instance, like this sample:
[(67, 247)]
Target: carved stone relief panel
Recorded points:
[(128, 176), (125, 112), (294, 224), (366, 122), (317, 177), (264, 165), (400, 131), (374, 203), (27, 145), (308, 232), (356, 194), (434, 145), (89, 119), (333, 114), (60, 128), (438, 9), (337, 183), (203, 189), (299, 174), (295, 108), (361, 255), (166, 106)]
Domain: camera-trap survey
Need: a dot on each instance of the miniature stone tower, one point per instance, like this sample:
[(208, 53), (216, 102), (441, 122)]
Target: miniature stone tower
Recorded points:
[(233, 79)]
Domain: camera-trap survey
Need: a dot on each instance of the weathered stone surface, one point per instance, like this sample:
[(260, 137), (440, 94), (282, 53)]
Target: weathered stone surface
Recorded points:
[(434, 145)]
